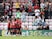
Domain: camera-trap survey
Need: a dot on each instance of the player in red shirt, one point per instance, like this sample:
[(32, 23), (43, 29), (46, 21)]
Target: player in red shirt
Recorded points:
[(13, 27), (8, 26), (18, 26)]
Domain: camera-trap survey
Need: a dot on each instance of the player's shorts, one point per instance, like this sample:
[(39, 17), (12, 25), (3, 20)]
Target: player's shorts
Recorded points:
[(17, 28), (8, 28), (12, 28)]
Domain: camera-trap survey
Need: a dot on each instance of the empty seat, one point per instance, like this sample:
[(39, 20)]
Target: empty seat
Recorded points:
[(30, 20), (30, 23), (30, 27), (50, 27), (26, 23), (30, 17), (27, 20), (34, 27), (27, 17), (46, 20), (33, 17), (23, 24)]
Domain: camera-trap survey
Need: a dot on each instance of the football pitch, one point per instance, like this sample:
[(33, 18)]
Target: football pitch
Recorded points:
[(25, 37)]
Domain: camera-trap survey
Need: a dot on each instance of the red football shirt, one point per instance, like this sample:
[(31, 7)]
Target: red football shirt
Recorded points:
[(9, 25), (12, 25), (18, 21)]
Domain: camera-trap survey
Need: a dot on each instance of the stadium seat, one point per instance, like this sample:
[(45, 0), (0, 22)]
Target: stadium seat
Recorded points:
[(27, 20), (23, 24), (30, 20), (26, 17), (30, 17), (46, 20), (33, 17), (30, 27), (30, 23), (49, 21), (34, 27), (26, 23), (50, 27)]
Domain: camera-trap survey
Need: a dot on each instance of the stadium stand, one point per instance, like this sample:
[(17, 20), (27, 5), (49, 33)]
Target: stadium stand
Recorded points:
[(30, 14)]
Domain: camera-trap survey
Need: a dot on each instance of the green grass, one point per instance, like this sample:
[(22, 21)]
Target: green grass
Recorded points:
[(25, 37)]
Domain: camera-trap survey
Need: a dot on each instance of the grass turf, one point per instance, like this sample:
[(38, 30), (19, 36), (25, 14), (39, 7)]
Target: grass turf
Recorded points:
[(25, 37)]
